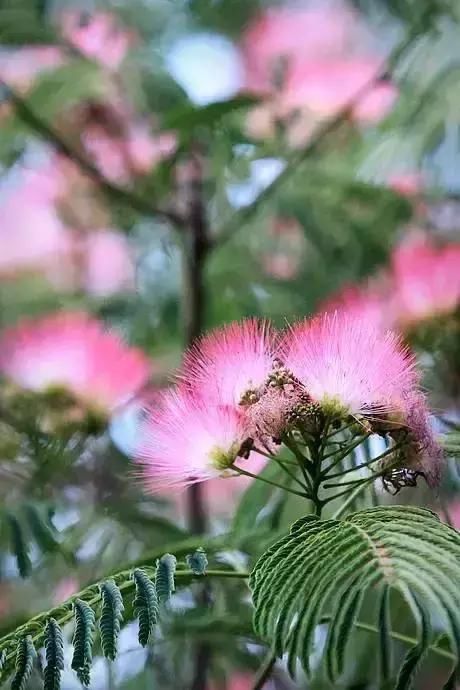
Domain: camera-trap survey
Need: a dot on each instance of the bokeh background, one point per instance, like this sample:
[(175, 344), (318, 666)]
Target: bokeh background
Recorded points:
[(170, 166)]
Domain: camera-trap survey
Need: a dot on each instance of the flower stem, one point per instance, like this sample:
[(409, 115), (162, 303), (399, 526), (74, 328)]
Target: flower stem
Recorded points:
[(388, 451), (351, 497), (269, 481)]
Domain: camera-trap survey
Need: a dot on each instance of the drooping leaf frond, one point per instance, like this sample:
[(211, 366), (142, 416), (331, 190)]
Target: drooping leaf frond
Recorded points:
[(19, 546), (25, 656), (145, 605), (111, 618), (164, 579), (41, 528), (54, 650), (323, 569), (83, 640)]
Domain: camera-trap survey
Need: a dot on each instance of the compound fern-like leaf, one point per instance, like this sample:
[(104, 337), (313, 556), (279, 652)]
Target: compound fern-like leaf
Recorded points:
[(145, 605), (111, 618), (85, 622), (25, 656), (164, 578), (322, 570), (54, 651)]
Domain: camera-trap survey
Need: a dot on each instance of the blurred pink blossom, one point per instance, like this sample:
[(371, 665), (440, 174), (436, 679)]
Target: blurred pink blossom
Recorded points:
[(98, 36), (426, 280), (73, 351), (325, 87), (65, 588), (19, 67), (108, 264), (368, 302), (308, 62), (31, 232), (287, 36), (136, 151), (407, 184)]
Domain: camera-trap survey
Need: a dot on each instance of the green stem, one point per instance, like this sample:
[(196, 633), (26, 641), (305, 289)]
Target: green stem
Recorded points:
[(291, 444), (411, 641), (264, 671), (64, 612), (269, 481), (291, 474), (343, 454), (388, 451), (351, 497)]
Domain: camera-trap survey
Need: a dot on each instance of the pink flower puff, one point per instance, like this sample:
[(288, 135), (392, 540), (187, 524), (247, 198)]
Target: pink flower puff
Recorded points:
[(98, 37), (72, 351), (311, 63), (231, 363), (242, 388), (348, 366), (184, 439), (426, 280)]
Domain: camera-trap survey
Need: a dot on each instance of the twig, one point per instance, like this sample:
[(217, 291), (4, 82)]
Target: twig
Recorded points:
[(264, 671), (47, 132), (238, 220)]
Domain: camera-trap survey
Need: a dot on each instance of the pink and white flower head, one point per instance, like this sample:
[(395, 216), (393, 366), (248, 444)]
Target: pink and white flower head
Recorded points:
[(108, 265), (74, 352), (426, 280), (325, 87), (19, 67), (348, 366), (186, 439), (365, 302), (293, 35), (98, 37), (232, 363)]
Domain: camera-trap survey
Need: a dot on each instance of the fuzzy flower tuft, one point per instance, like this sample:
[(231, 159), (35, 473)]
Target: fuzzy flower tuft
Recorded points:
[(72, 351), (347, 366), (185, 440), (232, 363)]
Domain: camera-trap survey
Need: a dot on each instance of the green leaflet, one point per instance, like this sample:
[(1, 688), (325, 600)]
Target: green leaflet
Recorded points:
[(54, 650), (25, 656), (111, 617), (325, 568), (197, 561), (145, 605), (164, 578), (83, 641)]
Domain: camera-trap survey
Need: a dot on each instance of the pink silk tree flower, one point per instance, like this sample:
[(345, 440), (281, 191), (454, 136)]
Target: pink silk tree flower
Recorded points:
[(72, 351), (132, 152), (98, 37), (108, 264), (232, 363), (408, 184), (31, 233), (19, 67), (368, 302), (348, 366), (280, 38), (426, 280), (186, 439), (325, 87)]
